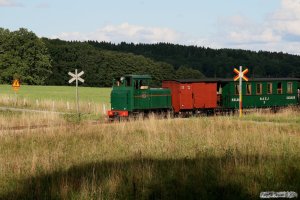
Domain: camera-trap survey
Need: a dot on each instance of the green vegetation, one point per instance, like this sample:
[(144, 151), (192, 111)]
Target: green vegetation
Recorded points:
[(92, 101), (203, 158), (24, 56), (212, 62), (59, 93), (101, 66)]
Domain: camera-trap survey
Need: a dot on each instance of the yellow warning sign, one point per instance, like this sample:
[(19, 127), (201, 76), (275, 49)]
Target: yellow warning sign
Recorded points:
[(16, 85)]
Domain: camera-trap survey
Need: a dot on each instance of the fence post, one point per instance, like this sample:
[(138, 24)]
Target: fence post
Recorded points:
[(104, 109)]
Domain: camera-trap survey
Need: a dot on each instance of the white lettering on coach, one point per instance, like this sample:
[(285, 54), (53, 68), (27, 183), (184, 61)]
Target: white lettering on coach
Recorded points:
[(291, 97), (235, 99), (264, 98)]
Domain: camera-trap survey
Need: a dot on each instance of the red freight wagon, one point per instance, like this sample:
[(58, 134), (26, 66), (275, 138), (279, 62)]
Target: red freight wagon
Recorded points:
[(190, 95)]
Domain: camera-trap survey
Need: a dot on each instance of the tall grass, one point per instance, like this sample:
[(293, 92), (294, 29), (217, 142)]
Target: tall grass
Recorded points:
[(196, 158)]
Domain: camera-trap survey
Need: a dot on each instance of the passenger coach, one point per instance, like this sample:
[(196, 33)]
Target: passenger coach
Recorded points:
[(259, 92)]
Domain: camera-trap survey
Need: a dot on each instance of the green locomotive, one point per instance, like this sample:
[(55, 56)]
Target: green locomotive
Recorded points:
[(131, 94)]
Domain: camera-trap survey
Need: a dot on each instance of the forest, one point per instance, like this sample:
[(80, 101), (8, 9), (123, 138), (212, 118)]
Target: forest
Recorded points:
[(44, 61)]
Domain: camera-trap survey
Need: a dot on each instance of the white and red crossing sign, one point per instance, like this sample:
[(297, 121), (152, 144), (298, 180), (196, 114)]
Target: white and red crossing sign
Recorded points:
[(241, 74)]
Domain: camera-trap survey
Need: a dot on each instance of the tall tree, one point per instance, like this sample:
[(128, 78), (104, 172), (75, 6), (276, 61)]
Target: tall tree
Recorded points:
[(24, 55)]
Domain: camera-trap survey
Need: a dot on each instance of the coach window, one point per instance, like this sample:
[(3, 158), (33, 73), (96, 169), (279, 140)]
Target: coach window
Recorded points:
[(258, 88), (236, 89), (269, 89), (289, 87), (248, 89), (279, 88)]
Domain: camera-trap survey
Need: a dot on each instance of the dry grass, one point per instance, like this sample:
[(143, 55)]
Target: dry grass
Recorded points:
[(10, 119), (215, 157), (54, 105)]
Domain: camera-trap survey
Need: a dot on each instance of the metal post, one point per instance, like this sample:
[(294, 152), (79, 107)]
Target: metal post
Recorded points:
[(77, 105), (76, 77), (16, 98), (240, 92)]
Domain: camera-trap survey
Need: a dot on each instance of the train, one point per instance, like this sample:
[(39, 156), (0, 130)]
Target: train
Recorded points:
[(132, 95)]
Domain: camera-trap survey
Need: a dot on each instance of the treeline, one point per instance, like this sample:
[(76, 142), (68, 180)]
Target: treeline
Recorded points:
[(46, 61), (41, 61), (101, 66), (212, 62)]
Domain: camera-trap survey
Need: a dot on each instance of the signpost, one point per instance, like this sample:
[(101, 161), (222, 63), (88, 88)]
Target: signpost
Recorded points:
[(76, 77), (16, 86), (240, 75)]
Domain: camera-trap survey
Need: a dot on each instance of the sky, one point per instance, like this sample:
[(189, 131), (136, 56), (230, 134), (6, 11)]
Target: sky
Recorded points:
[(269, 25)]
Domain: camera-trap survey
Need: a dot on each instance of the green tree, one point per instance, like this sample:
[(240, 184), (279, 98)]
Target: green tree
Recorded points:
[(185, 73), (25, 55)]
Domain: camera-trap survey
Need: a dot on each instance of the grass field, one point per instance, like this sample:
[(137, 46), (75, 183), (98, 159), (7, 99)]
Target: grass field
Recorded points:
[(221, 157), (57, 98)]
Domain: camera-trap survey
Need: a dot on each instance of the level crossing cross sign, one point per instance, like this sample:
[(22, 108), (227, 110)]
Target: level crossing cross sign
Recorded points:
[(77, 78), (241, 74)]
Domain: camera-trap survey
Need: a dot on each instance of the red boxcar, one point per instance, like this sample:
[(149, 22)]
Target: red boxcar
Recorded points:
[(192, 94)]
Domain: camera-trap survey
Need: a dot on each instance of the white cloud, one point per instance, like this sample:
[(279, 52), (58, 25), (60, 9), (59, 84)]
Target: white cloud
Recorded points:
[(263, 36), (241, 30), (9, 3), (279, 31), (42, 5), (287, 19), (126, 32)]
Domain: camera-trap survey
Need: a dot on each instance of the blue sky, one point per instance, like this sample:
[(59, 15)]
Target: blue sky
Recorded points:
[(272, 25)]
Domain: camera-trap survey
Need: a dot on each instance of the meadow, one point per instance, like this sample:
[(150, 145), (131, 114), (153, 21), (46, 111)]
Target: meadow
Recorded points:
[(56, 98), (219, 157)]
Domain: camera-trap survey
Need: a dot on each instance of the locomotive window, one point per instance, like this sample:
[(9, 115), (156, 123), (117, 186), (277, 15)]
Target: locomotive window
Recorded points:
[(258, 88), (248, 89), (279, 88), (128, 81), (136, 84), (236, 89), (289, 87), (143, 84), (269, 89)]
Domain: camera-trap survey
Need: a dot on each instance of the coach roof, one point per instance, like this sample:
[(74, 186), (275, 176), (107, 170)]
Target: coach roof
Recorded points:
[(231, 80)]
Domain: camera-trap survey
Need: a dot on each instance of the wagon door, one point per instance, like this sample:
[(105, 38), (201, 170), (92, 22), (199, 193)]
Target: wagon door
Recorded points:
[(186, 97)]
